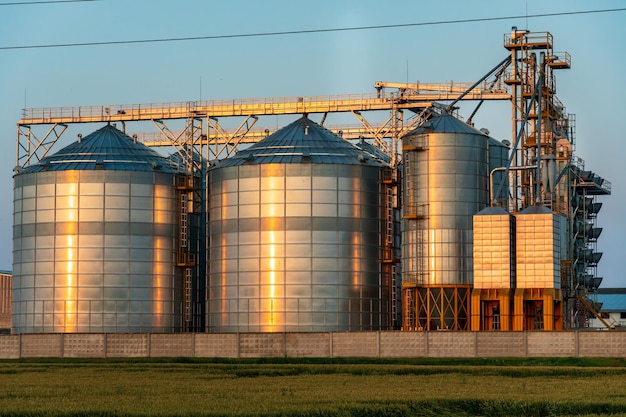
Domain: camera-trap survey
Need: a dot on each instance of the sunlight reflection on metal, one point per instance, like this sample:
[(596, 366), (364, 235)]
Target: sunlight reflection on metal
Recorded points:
[(158, 282), (70, 296), (272, 264)]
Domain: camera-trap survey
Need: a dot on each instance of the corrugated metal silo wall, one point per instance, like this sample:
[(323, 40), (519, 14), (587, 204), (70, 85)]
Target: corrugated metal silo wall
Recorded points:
[(93, 252), (445, 184), (295, 247)]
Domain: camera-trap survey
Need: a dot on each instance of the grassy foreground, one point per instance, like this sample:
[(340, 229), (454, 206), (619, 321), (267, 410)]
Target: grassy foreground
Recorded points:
[(292, 387)]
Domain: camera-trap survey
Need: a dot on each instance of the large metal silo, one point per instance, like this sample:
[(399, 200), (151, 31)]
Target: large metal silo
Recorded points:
[(295, 236), (445, 182), (95, 229)]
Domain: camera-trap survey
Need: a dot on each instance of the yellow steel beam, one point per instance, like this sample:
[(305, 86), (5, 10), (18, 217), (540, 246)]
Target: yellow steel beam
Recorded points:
[(413, 97), (253, 135), (246, 107)]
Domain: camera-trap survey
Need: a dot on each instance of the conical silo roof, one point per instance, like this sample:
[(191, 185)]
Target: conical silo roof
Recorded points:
[(445, 123), (302, 141), (373, 150), (105, 149), (490, 211), (536, 210)]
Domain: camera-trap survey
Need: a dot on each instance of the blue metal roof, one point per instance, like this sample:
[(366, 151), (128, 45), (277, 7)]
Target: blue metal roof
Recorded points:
[(107, 149), (302, 141), (612, 299)]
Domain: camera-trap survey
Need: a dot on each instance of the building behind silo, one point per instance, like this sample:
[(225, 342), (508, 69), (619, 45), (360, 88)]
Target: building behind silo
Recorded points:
[(96, 239), (6, 297), (445, 182), (296, 240)]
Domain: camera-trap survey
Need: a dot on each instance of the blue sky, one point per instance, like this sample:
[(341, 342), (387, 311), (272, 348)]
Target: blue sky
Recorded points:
[(309, 64)]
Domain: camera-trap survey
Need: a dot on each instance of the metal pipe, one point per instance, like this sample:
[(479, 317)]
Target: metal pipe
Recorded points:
[(538, 129), (493, 171), (518, 138), (503, 64)]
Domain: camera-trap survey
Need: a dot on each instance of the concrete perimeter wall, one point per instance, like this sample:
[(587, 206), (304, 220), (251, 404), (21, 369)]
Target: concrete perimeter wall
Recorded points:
[(317, 345)]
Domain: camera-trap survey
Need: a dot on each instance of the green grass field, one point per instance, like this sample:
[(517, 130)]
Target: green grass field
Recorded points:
[(293, 387)]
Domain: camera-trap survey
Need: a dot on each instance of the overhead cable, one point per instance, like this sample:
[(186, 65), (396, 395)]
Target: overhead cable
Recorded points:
[(28, 3), (306, 31)]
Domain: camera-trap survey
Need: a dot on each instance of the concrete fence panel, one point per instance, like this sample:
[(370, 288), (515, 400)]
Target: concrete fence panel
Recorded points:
[(9, 346), (451, 344), (171, 344), (551, 344), (387, 344), (128, 345), (403, 345), (261, 345), (84, 345), (222, 345), (500, 344), (307, 345), (42, 345), (355, 344), (602, 344)]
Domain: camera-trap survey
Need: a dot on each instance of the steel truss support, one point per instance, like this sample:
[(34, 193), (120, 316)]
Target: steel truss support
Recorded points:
[(379, 133), (436, 307), (388, 135), (30, 147), (537, 115), (187, 142), (221, 141)]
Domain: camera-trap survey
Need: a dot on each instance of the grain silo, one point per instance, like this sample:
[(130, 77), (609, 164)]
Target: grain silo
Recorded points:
[(541, 245), (295, 227), (445, 182), (494, 270), (95, 232)]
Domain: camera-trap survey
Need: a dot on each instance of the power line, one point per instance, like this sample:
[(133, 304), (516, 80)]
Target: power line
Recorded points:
[(25, 3), (308, 31)]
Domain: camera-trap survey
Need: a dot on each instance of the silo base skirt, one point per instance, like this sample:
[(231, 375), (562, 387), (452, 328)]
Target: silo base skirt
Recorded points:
[(537, 309), (492, 309), (443, 307)]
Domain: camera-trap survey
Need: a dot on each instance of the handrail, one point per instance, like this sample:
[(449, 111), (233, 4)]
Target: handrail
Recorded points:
[(259, 106)]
